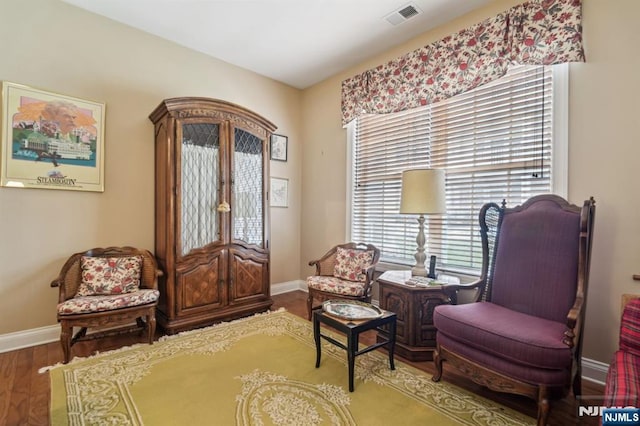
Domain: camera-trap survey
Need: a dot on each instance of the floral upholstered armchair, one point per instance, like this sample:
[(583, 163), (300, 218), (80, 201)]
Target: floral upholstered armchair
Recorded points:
[(103, 287), (344, 272)]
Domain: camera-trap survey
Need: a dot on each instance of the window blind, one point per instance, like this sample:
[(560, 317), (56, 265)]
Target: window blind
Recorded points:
[(495, 143)]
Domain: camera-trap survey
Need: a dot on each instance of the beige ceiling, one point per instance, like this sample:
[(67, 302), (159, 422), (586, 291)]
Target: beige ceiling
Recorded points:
[(297, 42)]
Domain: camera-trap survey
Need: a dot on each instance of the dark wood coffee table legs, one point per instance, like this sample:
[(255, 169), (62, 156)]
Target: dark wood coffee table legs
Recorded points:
[(352, 330)]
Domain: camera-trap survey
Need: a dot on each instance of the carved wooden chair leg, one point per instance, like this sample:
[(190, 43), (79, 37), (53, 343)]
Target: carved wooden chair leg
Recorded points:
[(437, 359), (65, 341), (309, 305), (151, 325), (543, 405)]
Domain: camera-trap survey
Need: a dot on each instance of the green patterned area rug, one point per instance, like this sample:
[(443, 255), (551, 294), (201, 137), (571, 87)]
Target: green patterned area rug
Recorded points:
[(257, 371)]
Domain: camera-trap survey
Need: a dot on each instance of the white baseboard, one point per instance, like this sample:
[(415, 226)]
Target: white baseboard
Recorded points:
[(594, 371), (288, 286), (28, 338)]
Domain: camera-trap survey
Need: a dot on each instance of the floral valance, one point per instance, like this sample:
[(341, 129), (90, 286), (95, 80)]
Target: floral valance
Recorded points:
[(538, 32)]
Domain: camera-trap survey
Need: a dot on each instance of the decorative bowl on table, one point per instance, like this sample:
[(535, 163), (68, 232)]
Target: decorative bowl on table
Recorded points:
[(351, 310)]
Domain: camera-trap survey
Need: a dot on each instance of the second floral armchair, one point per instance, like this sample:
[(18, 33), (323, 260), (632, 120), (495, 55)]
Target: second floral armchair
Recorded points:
[(344, 272)]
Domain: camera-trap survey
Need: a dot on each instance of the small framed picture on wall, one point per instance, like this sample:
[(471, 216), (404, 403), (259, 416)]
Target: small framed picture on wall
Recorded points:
[(279, 146), (279, 192)]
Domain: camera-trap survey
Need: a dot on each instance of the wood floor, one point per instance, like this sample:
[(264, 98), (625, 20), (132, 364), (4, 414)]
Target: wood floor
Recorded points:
[(24, 393)]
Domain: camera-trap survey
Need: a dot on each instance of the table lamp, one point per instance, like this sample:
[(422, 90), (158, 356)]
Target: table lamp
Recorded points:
[(423, 192)]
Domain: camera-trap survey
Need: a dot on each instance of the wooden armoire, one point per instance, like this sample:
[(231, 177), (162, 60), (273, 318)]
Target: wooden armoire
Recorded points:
[(212, 211)]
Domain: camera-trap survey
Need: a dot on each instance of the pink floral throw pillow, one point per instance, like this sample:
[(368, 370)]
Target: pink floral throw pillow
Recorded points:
[(109, 275), (350, 263)]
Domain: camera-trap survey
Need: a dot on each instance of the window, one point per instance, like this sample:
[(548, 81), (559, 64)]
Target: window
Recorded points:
[(499, 141)]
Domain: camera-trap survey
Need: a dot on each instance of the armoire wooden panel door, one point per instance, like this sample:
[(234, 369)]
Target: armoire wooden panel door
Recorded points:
[(212, 211)]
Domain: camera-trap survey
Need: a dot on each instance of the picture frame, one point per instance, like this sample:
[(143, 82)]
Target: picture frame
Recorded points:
[(50, 140), (279, 192), (279, 147)]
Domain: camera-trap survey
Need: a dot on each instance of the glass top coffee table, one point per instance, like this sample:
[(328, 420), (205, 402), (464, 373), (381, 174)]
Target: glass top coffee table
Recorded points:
[(353, 318)]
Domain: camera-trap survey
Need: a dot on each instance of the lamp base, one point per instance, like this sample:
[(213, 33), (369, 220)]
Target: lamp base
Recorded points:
[(417, 271)]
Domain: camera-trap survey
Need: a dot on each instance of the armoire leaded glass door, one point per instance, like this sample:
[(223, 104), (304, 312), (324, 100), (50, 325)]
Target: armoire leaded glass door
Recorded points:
[(200, 180), (248, 214)]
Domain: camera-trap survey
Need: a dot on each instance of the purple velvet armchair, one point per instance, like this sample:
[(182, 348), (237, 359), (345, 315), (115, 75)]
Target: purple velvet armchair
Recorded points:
[(524, 333)]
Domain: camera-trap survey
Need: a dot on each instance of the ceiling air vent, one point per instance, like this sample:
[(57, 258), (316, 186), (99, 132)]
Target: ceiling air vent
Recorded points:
[(403, 14)]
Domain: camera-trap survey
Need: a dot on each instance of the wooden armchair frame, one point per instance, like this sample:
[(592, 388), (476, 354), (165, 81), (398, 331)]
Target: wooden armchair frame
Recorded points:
[(490, 219), (325, 267), (68, 282)]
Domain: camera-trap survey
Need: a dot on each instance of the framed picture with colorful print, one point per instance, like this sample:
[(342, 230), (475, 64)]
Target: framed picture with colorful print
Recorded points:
[(51, 141)]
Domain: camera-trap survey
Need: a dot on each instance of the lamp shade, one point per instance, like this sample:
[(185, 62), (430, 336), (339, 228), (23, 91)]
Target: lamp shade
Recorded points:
[(423, 191)]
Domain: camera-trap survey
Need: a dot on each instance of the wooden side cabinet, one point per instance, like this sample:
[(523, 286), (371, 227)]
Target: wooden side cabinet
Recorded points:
[(415, 332)]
